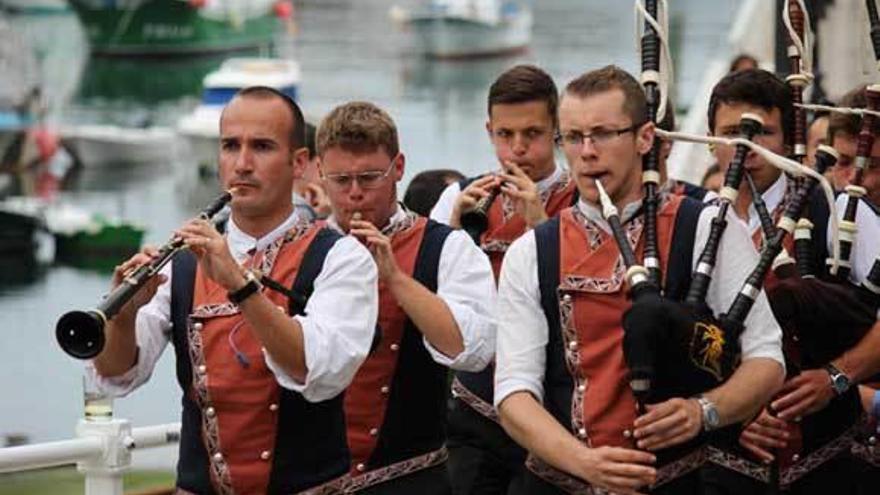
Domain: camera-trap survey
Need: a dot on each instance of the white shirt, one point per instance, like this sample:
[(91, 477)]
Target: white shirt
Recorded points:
[(337, 331), (772, 197), (522, 328), (442, 211), (466, 284), (866, 247)]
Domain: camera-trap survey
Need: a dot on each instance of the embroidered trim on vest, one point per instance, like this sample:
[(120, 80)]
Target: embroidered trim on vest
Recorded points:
[(572, 362), (396, 470), (573, 485), (805, 465), (461, 392), (495, 246), (404, 224), (602, 285), (334, 487), (210, 429)]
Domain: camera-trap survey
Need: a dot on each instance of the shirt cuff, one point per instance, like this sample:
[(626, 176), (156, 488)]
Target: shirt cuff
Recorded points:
[(477, 334), (119, 385)]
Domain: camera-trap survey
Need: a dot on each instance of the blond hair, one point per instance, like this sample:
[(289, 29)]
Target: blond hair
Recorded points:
[(358, 127)]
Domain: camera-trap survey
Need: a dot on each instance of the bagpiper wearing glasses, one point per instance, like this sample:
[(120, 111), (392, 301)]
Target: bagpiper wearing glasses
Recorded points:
[(495, 209), (436, 294), (562, 387)]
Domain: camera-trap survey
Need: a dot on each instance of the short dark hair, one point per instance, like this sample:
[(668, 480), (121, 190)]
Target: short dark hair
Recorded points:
[(426, 187), (609, 78), (298, 132), (523, 84), (742, 58), (850, 124), (310, 140), (754, 87)]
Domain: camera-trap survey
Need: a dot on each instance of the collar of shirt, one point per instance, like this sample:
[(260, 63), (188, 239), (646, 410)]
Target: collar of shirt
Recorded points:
[(241, 244), (547, 182), (772, 198), (400, 215), (594, 214)]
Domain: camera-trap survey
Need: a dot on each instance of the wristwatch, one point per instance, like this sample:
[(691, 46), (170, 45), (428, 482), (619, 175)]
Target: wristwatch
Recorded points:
[(711, 418), (839, 381), (247, 290)]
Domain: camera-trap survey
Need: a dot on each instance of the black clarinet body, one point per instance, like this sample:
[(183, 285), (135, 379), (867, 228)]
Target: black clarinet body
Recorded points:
[(81, 333)]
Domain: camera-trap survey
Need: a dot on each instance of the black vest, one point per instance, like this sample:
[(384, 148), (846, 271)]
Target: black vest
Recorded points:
[(415, 420)]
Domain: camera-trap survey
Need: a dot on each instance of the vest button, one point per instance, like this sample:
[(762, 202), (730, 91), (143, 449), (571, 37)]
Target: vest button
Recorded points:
[(795, 458), (582, 433), (395, 347), (374, 432), (385, 389), (202, 369), (627, 434), (582, 388), (273, 407), (218, 457), (566, 298), (872, 440), (209, 412), (265, 455), (361, 468), (197, 326), (572, 346)]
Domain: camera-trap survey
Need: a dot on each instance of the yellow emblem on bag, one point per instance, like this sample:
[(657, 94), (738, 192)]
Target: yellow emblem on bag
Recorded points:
[(707, 348)]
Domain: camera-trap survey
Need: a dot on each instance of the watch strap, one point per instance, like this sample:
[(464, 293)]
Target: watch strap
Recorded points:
[(247, 290)]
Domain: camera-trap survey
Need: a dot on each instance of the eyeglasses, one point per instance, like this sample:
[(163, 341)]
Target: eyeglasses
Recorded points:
[(598, 138), (366, 180)]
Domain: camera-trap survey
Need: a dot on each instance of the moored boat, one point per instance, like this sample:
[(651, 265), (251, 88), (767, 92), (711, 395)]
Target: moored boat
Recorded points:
[(178, 27)]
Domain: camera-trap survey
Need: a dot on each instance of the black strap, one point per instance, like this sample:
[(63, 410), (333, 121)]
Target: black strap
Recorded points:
[(312, 264), (547, 246), (681, 253), (428, 259), (183, 278)]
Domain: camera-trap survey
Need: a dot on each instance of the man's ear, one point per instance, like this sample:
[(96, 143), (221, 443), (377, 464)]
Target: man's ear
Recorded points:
[(645, 138), (299, 159), (399, 167)]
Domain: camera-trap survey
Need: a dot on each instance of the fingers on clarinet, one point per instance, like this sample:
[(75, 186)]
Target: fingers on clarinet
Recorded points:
[(762, 454)]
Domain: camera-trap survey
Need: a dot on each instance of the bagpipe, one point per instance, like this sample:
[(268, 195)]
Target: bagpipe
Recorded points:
[(681, 348)]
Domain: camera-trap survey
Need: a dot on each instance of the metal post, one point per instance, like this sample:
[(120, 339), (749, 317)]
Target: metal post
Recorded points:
[(103, 473)]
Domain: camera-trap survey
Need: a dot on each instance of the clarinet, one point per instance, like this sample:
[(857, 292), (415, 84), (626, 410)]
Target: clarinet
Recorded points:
[(650, 44), (854, 191), (81, 333), (750, 125)]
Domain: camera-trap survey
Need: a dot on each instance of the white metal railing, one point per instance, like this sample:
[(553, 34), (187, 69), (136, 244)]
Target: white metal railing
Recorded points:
[(101, 451)]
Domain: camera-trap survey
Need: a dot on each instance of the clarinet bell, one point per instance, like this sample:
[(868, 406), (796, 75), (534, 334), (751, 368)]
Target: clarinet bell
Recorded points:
[(81, 333)]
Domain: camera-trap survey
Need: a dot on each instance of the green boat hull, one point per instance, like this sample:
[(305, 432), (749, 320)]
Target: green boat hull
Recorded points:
[(163, 27), (100, 250)]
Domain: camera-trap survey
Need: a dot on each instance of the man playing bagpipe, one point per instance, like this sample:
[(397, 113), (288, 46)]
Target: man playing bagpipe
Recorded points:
[(436, 295), (561, 380)]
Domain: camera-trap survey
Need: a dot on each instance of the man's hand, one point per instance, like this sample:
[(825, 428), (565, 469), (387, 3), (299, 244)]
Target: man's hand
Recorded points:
[(619, 470), (804, 394), (668, 423), (380, 247), (467, 200), (126, 268), (318, 199), (518, 186), (213, 254), (764, 434)]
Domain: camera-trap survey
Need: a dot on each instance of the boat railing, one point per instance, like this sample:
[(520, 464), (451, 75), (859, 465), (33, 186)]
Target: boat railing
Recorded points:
[(101, 451)]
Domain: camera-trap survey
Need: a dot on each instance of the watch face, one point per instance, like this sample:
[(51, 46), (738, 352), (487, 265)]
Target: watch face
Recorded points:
[(841, 383), (712, 417)]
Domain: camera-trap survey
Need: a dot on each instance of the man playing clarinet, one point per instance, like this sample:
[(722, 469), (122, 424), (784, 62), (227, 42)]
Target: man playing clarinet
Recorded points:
[(561, 382), (262, 378), (436, 296), (522, 122)]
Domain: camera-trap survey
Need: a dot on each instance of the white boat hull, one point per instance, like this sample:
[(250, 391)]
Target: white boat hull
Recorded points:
[(456, 37), (101, 146)]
